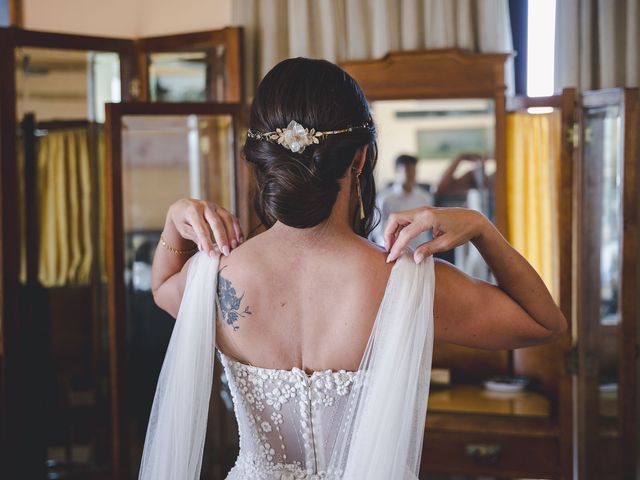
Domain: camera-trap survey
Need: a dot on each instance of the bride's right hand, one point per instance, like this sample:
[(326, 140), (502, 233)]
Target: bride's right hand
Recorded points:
[(200, 220)]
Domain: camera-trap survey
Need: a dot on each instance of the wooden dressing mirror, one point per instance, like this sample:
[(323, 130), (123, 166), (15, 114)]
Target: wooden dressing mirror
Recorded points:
[(191, 67), (429, 100), (69, 311), (435, 104)]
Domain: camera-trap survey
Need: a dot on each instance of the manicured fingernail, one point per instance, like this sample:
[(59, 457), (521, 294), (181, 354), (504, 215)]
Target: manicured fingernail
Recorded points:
[(199, 247), (241, 238), (234, 244), (418, 258), (389, 258), (225, 250), (211, 253)]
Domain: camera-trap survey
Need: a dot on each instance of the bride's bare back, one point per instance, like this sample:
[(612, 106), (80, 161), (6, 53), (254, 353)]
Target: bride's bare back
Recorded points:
[(291, 302)]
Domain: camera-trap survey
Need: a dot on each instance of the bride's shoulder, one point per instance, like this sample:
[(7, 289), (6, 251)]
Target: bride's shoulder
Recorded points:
[(371, 246), (250, 253)]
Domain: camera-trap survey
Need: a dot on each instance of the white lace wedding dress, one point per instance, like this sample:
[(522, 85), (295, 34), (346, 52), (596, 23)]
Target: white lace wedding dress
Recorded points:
[(326, 425)]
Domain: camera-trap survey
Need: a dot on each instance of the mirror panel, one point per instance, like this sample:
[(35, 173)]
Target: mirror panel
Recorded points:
[(601, 238), (66, 84), (187, 76), (60, 97), (164, 158), (438, 132)]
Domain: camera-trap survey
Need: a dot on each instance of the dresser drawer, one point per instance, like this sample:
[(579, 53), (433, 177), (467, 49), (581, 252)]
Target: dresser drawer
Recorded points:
[(490, 454)]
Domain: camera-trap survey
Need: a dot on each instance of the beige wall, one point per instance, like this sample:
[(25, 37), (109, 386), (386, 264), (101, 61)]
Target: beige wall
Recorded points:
[(161, 17), (400, 135), (126, 18)]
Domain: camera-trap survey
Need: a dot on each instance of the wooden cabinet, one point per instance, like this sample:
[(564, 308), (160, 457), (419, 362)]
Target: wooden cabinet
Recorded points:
[(511, 447), (586, 384)]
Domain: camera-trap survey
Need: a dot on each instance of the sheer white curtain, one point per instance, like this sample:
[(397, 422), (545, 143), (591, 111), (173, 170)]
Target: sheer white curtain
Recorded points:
[(597, 44), (338, 30)]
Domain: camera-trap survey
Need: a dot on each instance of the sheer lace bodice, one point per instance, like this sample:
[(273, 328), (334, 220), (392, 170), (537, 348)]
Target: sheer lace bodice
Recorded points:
[(288, 420)]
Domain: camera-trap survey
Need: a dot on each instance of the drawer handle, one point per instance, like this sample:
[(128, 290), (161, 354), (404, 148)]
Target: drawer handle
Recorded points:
[(482, 452)]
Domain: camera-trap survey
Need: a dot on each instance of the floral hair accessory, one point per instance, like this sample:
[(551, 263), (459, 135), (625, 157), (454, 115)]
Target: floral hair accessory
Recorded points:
[(296, 137)]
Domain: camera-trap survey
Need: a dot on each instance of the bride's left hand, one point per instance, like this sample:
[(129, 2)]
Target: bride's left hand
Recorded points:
[(450, 227)]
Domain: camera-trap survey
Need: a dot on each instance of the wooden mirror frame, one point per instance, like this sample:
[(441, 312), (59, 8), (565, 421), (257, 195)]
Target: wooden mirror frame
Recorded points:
[(231, 38), (115, 242), (21, 456), (447, 74), (442, 74)]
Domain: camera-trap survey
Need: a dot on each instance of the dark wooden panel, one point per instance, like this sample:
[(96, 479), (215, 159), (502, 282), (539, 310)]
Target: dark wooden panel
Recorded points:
[(469, 364), (490, 454), (34, 38)]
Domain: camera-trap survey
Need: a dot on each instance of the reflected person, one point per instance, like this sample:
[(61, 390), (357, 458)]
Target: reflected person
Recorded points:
[(476, 187)]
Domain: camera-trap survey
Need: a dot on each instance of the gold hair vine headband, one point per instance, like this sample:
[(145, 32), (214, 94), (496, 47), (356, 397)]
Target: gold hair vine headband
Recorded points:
[(296, 137)]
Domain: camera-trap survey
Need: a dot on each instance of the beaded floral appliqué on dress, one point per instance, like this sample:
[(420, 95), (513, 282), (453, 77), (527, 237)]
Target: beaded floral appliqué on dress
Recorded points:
[(288, 420)]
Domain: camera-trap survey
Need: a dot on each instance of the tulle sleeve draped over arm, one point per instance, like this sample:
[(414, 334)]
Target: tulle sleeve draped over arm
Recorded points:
[(384, 423), (178, 422)]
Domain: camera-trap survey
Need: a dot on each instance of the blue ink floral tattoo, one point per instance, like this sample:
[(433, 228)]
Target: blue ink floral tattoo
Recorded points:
[(230, 302)]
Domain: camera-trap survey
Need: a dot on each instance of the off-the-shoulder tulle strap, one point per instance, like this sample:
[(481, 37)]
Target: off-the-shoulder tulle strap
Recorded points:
[(382, 437), (178, 422)]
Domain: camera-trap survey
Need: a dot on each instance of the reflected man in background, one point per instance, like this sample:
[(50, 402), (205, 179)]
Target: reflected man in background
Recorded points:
[(403, 194)]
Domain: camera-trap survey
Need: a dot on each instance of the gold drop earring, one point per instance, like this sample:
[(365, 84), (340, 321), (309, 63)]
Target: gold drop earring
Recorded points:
[(359, 194)]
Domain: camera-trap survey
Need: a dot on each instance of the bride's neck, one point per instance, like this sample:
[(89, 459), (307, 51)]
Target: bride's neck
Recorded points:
[(337, 226)]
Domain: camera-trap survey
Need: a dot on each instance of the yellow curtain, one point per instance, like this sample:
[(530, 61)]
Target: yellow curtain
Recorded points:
[(65, 208), (532, 171)]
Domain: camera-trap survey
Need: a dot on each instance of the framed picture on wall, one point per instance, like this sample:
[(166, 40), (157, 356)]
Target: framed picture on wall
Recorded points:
[(449, 142)]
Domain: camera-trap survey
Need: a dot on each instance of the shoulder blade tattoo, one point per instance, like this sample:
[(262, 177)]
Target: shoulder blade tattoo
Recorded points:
[(230, 302)]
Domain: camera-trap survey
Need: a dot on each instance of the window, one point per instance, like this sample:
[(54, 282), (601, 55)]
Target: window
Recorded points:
[(540, 51)]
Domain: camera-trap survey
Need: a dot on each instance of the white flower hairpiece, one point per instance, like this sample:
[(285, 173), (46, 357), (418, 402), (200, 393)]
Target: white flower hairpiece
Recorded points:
[(296, 137)]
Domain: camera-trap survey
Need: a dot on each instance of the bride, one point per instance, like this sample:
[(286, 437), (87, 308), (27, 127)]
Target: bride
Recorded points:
[(325, 338)]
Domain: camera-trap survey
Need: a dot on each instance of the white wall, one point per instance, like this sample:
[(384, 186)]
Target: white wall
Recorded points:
[(126, 18)]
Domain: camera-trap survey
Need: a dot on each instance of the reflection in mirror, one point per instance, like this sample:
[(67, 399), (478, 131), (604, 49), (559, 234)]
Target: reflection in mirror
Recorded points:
[(603, 225), (164, 158), (453, 143), (66, 84), (605, 127), (193, 76), (600, 272), (60, 152)]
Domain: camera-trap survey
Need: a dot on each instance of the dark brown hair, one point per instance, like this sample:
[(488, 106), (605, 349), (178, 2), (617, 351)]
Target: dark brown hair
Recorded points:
[(406, 160), (300, 189)]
